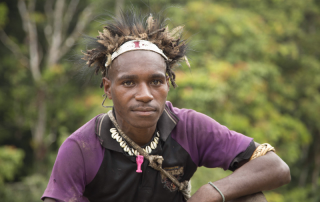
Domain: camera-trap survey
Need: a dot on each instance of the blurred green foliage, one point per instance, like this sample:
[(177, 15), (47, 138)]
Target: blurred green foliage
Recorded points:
[(10, 162), (254, 68)]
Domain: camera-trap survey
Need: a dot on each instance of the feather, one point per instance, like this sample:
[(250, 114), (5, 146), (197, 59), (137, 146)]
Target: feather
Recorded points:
[(108, 63), (135, 26), (158, 30), (106, 33), (143, 36), (187, 61), (166, 29), (176, 32), (150, 22)]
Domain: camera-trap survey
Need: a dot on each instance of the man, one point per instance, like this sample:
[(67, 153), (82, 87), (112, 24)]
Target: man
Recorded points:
[(103, 160)]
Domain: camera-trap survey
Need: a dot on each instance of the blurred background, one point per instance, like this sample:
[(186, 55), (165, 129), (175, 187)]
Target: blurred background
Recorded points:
[(255, 68)]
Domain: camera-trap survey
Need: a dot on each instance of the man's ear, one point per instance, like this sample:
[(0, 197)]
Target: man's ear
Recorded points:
[(107, 87)]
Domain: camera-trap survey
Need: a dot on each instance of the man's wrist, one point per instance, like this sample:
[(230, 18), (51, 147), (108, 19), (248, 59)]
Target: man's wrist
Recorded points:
[(213, 194), (218, 190)]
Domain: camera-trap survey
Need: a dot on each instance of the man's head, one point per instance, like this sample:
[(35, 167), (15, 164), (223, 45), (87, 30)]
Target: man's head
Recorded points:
[(138, 85), (137, 81), (132, 26)]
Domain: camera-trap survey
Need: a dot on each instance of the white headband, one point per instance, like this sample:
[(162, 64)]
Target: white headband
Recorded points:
[(136, 45)]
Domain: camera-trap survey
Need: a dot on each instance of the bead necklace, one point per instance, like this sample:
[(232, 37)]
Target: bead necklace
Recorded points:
[(123, 144)]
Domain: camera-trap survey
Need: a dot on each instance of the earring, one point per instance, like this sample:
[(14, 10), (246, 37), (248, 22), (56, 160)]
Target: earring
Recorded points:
[(105, 97)]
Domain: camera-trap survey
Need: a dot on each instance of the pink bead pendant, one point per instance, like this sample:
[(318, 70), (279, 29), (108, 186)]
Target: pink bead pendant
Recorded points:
[(139, 161)]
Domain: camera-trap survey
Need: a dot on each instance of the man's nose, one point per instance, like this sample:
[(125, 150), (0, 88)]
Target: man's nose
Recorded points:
[(144, 94)]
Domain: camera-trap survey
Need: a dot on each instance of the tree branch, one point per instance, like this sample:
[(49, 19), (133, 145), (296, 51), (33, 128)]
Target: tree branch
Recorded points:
[(57, 33), (70, 13), (31, 30), (49, 14), (84, 18)]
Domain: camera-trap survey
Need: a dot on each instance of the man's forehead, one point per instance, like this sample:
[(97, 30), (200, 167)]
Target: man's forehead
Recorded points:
[(139, 56), (138, 62), (137, 75)]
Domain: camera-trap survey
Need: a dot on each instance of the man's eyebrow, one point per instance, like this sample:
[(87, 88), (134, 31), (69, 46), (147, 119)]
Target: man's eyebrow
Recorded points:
[(158, 76), (123, 77)]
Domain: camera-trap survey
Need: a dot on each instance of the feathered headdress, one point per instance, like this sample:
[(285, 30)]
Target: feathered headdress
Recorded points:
[(131, 26)]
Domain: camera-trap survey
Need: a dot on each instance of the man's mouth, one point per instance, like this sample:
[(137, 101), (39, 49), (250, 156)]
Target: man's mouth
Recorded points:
[(144, 111)]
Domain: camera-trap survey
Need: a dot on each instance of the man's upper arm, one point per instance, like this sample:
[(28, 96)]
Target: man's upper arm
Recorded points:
[(67, 181), (243, 157), (209, 143)]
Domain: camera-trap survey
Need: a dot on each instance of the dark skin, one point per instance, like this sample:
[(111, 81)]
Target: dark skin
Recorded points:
[(264, 173), (138, 86)]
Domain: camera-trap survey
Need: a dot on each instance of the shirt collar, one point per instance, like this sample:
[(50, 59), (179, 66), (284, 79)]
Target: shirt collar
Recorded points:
[(166, 123)]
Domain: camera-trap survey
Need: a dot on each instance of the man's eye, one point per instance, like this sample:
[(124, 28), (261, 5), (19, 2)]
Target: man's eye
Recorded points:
[(128, 83), (156, 82)]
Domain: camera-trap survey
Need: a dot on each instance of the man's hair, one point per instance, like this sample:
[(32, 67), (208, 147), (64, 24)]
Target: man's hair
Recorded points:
[(133, 26)]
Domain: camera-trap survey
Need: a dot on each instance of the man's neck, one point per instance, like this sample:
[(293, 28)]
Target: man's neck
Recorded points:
[(140, 136)]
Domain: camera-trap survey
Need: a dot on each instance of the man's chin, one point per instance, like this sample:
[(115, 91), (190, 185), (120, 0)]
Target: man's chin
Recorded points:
[(143, 122)]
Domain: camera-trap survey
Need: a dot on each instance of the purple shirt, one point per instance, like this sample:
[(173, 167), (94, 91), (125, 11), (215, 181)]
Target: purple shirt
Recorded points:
[(79, 158)]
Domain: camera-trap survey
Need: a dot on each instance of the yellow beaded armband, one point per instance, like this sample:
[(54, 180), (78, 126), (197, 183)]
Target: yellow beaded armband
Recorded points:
[(261, 150)]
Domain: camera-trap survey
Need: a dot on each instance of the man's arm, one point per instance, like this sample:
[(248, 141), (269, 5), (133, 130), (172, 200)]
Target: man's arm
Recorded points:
[(264, 173), (67, 180)]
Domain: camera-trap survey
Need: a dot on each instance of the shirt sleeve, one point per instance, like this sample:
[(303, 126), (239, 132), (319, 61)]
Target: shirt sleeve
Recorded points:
[(217, 145), (67, 181), (243, 156), (208, 143)]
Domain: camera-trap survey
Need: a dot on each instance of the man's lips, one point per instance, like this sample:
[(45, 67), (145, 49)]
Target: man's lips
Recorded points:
[(144, 111)]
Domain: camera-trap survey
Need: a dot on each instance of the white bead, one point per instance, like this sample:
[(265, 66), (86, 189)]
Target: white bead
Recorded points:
[(112, 130), (119, 139), (136, 152), (123, 144), (158, 134), (114, 135), (148, 149), (153, 145), (130, 153), (126, 148), (156, 140)]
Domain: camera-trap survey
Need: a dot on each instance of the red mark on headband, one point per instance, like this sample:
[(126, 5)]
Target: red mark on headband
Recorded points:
[(137, 44)]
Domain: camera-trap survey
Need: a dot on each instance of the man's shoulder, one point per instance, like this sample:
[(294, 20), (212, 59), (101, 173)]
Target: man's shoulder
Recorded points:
[(86, 129), (209, 143), (84, 146), (85, 136), (77, 163), (189, 116)]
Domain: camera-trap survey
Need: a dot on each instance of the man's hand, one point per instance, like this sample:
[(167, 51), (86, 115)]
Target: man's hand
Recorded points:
[(264, 173)]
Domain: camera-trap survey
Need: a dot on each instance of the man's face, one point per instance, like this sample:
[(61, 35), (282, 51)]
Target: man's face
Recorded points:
[(139, 87)]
